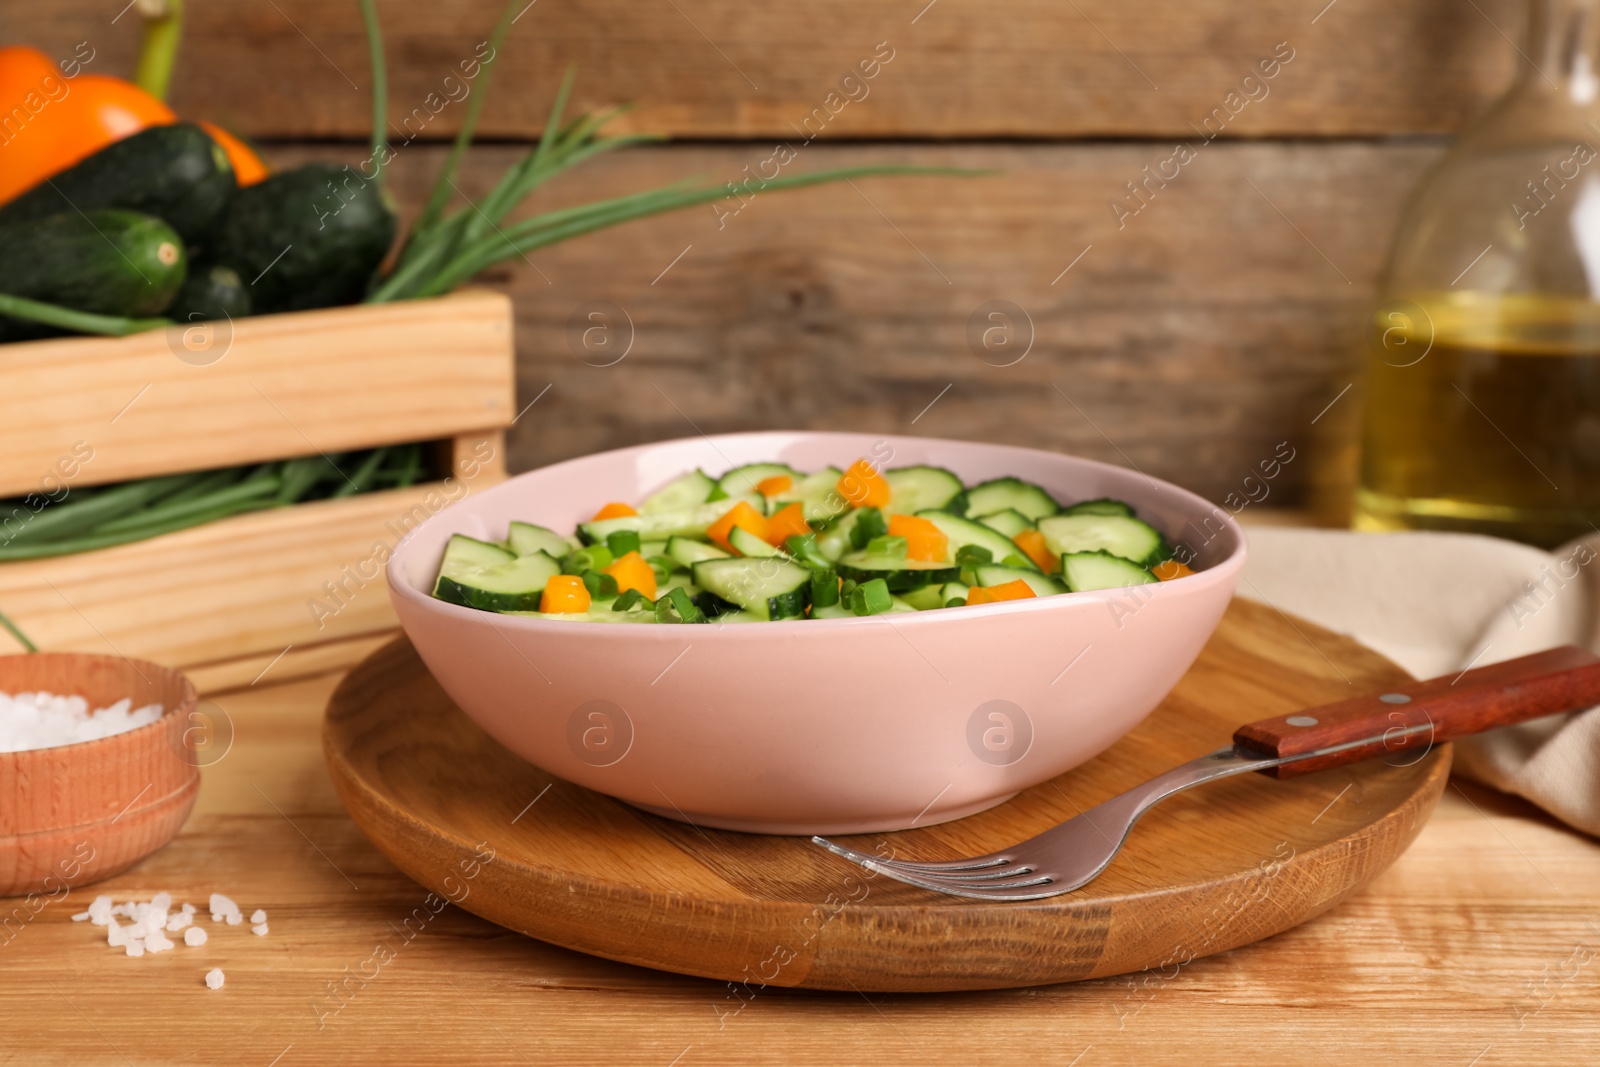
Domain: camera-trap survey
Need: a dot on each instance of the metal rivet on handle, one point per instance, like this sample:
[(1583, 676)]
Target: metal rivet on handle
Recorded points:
[(1395, 698), (1301, 720)]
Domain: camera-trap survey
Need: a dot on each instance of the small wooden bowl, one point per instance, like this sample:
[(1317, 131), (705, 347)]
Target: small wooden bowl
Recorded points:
[(79, 813)]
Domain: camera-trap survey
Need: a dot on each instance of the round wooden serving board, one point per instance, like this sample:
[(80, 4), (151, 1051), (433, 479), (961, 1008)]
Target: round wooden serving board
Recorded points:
[(1211, 869)]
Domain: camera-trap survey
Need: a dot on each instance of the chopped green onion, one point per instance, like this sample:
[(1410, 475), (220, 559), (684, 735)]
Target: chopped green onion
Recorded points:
[(972, 555), (803, 547), (628, 599), (592, 558), (824, 588), (871, 524), (955, 602), (622, 542), (871, 598), (663, 566), (600, 586), (687, 611), (21, 637)]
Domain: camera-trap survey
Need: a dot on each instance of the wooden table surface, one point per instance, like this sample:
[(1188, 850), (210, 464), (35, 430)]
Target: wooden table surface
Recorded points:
[(1477, 948)]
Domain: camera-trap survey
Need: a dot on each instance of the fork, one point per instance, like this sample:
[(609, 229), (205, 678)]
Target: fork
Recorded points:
[(1071, 854)]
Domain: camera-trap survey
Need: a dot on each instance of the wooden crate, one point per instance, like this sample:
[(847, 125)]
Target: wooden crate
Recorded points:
[(290, 591)]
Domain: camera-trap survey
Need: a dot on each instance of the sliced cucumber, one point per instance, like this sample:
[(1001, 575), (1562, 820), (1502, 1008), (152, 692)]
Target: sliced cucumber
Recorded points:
[(924, 598), (652, 548), (742, 481), (817, 494), (748, 544), (900, 604), (1118, 534), (1002, 493), (525, 539), (766, 587), (963, 532), (1042, 584), (600, 614), (514, 585), (687, 552), (1103, 506), (1101, 570), (738, 616), (1008, 523), (465, 553), (952, 591), (914, 489), (691, 522), (899, 573), (833, 611), (680, 494)]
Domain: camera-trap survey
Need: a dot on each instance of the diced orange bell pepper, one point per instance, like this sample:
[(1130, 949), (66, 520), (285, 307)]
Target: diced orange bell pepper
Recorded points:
[(863, 486), (771, 487), (1017, 590), (565, 593), (1032, 542), (1170, 569), (789, 521), (632, 572), (924, 540), (741, 515), (613, 510)]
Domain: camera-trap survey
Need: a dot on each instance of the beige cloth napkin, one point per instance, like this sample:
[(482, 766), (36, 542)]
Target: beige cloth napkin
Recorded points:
[(1436, 603)]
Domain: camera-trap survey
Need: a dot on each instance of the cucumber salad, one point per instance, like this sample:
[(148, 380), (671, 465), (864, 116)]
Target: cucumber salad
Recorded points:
[(766, 542)]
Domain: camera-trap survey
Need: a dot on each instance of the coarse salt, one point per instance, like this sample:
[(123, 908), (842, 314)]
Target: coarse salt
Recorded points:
[(194, 936), (43, 720), (259, 915), (259, 929), (215, 978)]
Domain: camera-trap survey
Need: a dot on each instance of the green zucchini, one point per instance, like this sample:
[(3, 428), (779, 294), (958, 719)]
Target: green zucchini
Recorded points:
[(176, 173), (211, 291), (306, 238), (107, 262)]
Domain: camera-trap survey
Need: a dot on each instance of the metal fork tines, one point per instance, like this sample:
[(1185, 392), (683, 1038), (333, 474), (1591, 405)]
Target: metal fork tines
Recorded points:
[(1065, 856)]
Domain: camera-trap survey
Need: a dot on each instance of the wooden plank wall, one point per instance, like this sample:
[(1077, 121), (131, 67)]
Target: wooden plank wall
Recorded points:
[(1188, 338)]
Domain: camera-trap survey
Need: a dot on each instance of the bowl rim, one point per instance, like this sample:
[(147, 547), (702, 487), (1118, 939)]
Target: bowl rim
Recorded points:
[(1223, 571), (188, 701)]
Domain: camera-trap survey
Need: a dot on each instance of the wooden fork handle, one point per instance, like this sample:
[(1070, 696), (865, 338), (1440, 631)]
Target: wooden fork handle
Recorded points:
[(1409, 719)]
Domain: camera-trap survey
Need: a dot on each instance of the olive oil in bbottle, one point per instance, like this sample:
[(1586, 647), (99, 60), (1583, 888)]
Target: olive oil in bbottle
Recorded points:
[(1482, 397), (1483, 415)]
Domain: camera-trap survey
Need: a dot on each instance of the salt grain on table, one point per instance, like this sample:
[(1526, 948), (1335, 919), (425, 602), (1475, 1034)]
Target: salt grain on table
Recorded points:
[(258, 916), (215, 978), (195, 936), (43, 720), (259, 929)]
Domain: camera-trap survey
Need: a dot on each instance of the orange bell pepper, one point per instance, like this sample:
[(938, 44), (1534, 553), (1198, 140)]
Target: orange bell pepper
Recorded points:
[(613, 510), (741, 515), (564, 594), (1017, 590), (1170, 569), (863, 486), (48, 121), (924, 540), (771, 487), (632, 572), (1032, 543), (789, 521), (248, 168)]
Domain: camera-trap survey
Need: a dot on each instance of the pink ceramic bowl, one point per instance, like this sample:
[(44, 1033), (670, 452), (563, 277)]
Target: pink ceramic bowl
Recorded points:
[(828, 726)]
